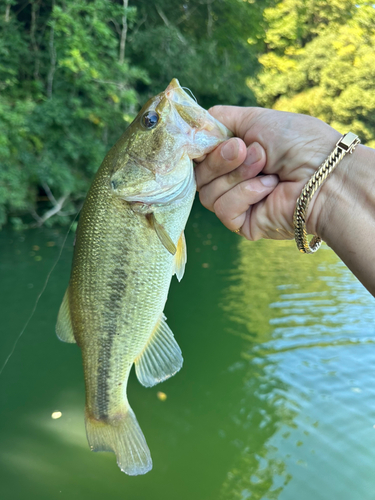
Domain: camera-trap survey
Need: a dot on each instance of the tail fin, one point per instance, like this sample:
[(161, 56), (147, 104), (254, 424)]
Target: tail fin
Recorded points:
[(124, 437)]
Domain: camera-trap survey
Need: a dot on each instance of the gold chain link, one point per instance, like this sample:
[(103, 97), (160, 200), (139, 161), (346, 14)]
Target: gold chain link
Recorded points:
[(346, 144)]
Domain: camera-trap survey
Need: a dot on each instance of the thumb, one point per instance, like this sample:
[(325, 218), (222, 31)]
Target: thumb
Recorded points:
[(238, 119)]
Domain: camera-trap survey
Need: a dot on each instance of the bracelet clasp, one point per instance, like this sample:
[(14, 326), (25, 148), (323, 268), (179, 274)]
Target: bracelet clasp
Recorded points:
[(348, 142)]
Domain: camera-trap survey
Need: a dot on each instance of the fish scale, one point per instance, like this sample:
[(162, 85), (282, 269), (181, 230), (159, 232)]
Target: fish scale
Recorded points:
[(129, 243)]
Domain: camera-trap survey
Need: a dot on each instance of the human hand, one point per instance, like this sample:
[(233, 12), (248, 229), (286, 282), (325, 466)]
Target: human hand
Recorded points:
[(286, 148)]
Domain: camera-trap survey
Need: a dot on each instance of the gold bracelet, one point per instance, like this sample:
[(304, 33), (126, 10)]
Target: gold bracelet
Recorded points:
[(346, 144)]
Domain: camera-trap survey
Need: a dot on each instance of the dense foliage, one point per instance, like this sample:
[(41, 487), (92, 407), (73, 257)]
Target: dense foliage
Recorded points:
[(320, 60), (65, 96), (74, 73), (210, 45)]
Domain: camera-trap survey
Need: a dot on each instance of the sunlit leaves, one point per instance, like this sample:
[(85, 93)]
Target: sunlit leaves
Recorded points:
[(325, 69)]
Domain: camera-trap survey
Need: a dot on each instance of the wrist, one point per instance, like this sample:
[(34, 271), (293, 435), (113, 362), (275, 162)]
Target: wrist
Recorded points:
[(336, 200)]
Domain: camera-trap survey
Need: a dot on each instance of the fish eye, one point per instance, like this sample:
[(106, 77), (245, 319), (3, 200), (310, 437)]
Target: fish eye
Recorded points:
[(150, 119)]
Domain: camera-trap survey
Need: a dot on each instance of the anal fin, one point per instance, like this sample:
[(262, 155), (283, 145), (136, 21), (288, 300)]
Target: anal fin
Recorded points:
[(64, 329), (161, 357)]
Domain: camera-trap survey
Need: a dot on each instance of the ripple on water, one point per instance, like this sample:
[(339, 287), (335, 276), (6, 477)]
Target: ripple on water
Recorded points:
[(310, 329)]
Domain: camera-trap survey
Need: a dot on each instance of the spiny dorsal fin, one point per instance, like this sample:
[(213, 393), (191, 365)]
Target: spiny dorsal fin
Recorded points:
[(64, 329), (161, 357), (180, 258), (163, 235)]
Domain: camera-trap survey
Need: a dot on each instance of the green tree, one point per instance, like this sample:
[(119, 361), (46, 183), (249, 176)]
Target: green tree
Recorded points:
[(209, 45), (66, 95), (320, 60), (73, 74)]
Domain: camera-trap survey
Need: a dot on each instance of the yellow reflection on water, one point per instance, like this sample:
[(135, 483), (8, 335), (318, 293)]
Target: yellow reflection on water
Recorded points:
[(161, 396), (56, 414), (267, 270)]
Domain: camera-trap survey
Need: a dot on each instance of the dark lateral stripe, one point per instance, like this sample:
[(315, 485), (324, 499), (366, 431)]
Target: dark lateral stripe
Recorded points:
[(116, 287)]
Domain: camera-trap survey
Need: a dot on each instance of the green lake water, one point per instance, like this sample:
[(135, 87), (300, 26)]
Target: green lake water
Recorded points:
[(276, 398)]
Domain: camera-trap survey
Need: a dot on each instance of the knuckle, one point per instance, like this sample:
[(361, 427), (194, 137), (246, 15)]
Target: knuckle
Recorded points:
[(204, 198), (198, 179), (212, 161), (245, 188), (220, 209), (237, 175), (214, 109)]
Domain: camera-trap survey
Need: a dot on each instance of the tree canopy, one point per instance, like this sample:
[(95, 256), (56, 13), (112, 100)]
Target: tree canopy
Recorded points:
[(320, 60), (73, 75)]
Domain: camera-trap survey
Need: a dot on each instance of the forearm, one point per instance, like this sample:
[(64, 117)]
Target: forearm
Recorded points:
[(345, 214)]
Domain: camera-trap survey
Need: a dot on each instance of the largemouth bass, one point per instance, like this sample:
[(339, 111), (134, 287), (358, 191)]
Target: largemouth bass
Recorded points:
[(129, 243)]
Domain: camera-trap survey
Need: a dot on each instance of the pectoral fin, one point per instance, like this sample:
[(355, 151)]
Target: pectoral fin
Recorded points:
[(64, 329), (163, 235), (180, 258), (161, 358)]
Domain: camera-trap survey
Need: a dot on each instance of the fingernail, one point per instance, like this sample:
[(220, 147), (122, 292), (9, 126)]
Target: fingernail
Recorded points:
[(253, 155), (269, 180), (230, 150)]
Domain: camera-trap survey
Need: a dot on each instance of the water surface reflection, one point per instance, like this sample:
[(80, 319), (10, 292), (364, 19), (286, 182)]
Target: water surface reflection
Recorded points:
[(307, 409), (276, 399)]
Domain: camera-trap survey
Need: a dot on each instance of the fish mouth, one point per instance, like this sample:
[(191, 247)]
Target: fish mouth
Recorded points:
[(194, 115)]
